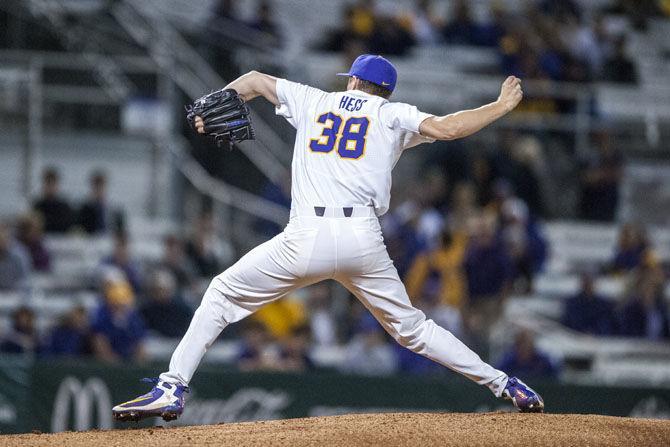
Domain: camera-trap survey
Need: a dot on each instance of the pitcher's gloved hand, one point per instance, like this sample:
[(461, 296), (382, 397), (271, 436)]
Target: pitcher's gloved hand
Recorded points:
[(224, 117)]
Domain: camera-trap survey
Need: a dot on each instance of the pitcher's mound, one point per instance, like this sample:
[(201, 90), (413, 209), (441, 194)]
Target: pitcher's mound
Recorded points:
[(390, 429)]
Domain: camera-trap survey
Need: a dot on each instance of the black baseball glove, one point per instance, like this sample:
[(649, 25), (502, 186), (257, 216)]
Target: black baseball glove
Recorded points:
[(225, 116)]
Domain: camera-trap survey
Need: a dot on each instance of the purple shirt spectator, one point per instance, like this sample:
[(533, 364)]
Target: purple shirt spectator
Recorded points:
[(487, 266), (588, 312), (645, 315), (524, 360), (123, 330)]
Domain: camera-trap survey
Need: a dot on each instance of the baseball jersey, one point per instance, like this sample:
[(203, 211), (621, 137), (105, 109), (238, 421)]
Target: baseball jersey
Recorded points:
[(346, 144)]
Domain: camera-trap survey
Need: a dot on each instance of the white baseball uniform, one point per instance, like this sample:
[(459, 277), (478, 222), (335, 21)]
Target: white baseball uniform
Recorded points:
[(346, 146)]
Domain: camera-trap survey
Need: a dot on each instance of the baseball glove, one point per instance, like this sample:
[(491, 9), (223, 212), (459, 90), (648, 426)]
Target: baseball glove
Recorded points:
[(225, 116)]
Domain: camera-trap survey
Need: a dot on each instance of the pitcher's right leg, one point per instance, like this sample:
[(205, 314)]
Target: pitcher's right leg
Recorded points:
[(265, 274)]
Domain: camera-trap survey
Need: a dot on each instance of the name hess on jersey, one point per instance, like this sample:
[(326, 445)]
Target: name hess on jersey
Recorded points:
[(352, 104)]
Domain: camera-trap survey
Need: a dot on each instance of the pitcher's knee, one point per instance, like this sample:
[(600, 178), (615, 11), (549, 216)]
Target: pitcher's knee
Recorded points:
[(411, 333)]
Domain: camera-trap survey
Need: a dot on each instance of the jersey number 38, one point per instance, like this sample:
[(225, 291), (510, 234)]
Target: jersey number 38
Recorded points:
[(350, 142)]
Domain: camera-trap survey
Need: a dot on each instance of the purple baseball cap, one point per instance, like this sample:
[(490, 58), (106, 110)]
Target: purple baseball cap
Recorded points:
[(375, 69)]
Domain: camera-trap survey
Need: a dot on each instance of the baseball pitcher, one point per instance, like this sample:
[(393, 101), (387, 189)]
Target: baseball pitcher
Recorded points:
[(346, 146)]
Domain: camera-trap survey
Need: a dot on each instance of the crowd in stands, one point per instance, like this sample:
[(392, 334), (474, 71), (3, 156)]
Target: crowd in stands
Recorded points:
[(549, 39), (136, 297), (643, 311), (58, 216), (462, 247)]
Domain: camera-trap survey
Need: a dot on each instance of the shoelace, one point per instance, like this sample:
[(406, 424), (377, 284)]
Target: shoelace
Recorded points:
[(156, 381)]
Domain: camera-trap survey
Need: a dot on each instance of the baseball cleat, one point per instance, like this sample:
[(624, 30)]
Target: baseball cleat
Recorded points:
[(165, 400), (524, 398)]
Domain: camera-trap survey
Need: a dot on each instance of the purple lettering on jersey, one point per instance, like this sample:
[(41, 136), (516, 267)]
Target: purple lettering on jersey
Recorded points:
[(343, 101), (349, 105), (352, 104)]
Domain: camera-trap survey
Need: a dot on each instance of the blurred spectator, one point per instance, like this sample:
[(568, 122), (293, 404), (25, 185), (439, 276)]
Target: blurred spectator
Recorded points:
[(489, 270), (432, 201), (369, 353), (72, 336), (204, 248), (528, 151), (514, 218), (281, 317), (279, 194), (368, 32), (264, 20), (632, 246), (323, 326), (57, 214), (463, 207), (121, 259), (488, 267), (461, 28), (509, 164), (482, 176), (619, 67), (400, 235), (294, 352), (14, 262), (524, 241), (362, 18), (343, 36), (439, 272), (599, 181), (95, 215), (22, 338), (490, 33), (589, 312), (175, 260), (29, 232), (389, 38), (164, 312), (424, 23), (118, 330), (587, 44), (645, 313), (525, 360), (254, 352)]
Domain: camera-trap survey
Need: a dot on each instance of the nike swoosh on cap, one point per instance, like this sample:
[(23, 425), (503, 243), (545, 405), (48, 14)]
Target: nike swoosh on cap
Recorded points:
[(385, 83)]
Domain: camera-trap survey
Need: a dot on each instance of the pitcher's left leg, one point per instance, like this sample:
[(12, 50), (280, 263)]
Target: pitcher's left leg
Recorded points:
[(382, 292)]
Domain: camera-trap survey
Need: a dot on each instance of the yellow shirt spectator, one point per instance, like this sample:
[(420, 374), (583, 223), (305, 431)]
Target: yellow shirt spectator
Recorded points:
[(447, 262), (282, 316)]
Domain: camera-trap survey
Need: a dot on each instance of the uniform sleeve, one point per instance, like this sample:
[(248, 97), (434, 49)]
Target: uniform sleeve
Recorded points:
[(408, 118), (293, 100)]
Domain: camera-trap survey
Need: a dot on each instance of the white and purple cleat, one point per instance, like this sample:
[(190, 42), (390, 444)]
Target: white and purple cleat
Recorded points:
[(524, 398), (165, 400)]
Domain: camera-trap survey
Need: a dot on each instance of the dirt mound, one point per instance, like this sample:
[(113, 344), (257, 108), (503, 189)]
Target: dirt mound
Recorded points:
[(392, 429)]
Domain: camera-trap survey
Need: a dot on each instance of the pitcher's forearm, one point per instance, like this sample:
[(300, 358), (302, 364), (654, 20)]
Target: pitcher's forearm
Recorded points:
[(462, 124), (467, 122)]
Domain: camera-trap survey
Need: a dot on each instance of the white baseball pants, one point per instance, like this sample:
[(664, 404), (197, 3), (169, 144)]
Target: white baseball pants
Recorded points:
[(349, 250)]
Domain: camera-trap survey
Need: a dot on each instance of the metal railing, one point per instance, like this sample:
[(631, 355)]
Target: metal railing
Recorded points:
[(195, 76)]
